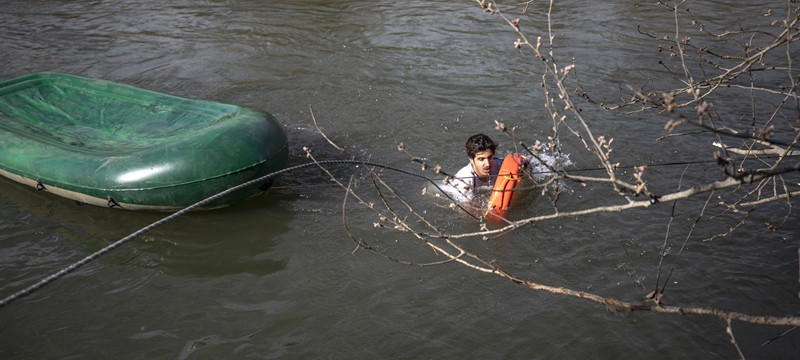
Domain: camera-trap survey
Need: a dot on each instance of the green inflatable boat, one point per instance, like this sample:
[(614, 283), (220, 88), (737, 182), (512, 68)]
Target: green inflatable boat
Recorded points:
[(108, 144)]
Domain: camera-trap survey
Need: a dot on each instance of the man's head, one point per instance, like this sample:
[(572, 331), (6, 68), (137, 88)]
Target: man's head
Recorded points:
[(479, 142), (480, 150)]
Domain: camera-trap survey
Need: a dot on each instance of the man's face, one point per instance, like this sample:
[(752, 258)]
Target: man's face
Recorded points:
[(482, 162)]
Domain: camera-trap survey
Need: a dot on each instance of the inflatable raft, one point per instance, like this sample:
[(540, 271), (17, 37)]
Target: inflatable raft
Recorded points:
[(108, 144)]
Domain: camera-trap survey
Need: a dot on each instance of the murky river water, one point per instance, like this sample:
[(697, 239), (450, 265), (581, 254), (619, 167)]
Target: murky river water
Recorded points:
[(276, 277)]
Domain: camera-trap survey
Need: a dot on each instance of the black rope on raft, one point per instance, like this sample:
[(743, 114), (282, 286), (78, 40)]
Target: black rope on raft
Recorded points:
[(94, 256)]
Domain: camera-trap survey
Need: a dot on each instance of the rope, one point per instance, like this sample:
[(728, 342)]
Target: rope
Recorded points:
[(630, 166), (525, 173), (75, 266), (94, 256)]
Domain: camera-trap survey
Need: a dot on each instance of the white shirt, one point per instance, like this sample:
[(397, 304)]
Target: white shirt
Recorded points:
[(461, 188)]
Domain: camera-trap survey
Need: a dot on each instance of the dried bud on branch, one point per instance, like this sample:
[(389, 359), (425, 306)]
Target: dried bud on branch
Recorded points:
[(702, 109), (487, 7), (669, 100), (537, 149), (565, 71), (501, 127), (638, 176), (601, 141), (673, 124), (766, 133)]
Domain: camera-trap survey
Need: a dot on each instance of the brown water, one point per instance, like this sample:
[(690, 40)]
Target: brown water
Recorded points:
[(277, 277)]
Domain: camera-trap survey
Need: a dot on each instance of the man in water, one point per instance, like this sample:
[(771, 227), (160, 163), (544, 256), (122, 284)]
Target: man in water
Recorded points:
[(480, 172)]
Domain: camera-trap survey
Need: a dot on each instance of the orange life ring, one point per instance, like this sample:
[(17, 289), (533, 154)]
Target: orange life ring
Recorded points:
[(507, 178)]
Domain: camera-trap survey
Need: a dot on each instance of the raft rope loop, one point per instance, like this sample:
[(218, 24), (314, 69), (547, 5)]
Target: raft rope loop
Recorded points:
[(112, 203), (266, 178)]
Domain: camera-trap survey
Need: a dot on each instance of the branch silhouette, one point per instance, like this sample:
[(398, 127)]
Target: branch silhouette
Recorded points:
[(761, 168)]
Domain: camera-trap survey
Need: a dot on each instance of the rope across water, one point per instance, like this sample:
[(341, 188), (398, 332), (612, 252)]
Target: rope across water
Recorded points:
[(94, 256)]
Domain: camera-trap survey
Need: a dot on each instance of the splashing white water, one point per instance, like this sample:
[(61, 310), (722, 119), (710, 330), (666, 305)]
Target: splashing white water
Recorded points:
[(549, 160)]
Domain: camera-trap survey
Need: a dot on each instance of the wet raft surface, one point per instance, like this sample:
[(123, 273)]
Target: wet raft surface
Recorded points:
[(90, 139)]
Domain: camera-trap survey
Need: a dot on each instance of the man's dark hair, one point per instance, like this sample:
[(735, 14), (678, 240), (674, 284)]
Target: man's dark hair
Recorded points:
[(478, 143)]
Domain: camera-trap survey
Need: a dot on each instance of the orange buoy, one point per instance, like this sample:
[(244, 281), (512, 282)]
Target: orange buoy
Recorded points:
[(510, 174)]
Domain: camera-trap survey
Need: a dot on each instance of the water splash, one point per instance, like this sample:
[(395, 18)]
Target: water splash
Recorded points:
[(549, 160)]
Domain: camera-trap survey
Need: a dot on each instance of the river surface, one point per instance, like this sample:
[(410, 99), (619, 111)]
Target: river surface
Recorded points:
[(277, 277)]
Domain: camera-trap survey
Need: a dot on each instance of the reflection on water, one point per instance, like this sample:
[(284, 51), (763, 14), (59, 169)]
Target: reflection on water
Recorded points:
[(278, 275)]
